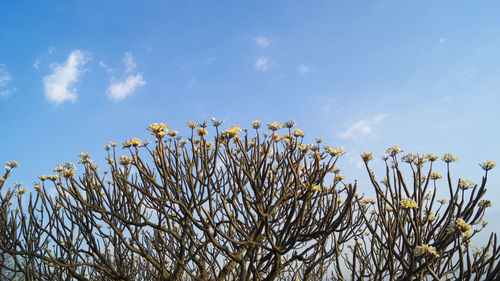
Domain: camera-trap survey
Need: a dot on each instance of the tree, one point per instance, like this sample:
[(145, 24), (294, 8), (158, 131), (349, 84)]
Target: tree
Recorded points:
[(239, 206)]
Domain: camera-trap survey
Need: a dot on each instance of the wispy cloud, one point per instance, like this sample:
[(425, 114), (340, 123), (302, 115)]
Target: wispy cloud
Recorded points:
[(262, 64), (120, 89), (129, 60), (442, 41), (262, 41), (5, 79), (38, 60), (191, 82), (304, 69), (59, 85), (36, 63), (362, 128)]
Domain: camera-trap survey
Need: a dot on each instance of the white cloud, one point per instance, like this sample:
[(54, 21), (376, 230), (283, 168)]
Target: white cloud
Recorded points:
[(262, 64), (362, 128), (119, 90), (36, 63), (303, 69), (262, 41), (5, 78), (59, 85), (192, 82), (129, 60), (442, 41)]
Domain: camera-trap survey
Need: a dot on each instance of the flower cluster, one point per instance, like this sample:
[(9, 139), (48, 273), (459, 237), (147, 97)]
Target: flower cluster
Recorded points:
[(408, 203), (485, 203), (135, 142), (367, 156), (273, 126), (465, 184), (435, 176), (231, 132), (431, 157), (448, 158), (461, 226), (11, 165), (158, 129), (289, 124), (191, 124), (66, 171), (298, 133), (21, 191), (335, 152), (425, 250), (488, 165), (124, 160), (256, 124), (202, 132), (392, 151)]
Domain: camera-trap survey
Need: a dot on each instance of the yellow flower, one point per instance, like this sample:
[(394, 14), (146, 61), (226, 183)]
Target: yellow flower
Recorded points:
[(304, 148), (408, 203), (335, 152), (435, 176), (298, 133), (273, 126), (459, 225), (191, 124), (172, 133), (135, 142), (316, 188), (231, 132), (275, 137), (124, 160), (367, 156), (443, 201), (202, 131), (488, 165), (431, 157), (68, 173), (408, 158), (289, 124), (334, 170), (12, 164), (425, 250), (256, 124), (21, 191), (419, 160), (339, 178), (58, 168), (448, 158), (156, 128), (393, 150), (465, 184), (368, 201), (485, 203), (384, 181)]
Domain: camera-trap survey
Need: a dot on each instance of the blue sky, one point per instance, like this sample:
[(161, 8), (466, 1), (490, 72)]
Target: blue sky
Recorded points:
[(424, 75)]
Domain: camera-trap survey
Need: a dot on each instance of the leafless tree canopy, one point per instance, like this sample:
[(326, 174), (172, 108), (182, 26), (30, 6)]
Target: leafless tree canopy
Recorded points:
[(242, 205)]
